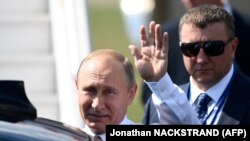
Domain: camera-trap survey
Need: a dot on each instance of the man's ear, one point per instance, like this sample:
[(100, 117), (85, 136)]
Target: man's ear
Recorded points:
[(76, 83), (234, 46), (132, 93)]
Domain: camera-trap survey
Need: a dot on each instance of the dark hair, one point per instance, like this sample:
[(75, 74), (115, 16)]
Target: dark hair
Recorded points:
[(206, 14)]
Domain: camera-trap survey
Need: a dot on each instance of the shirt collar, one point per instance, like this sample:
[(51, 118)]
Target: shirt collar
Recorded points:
[(126, 121)]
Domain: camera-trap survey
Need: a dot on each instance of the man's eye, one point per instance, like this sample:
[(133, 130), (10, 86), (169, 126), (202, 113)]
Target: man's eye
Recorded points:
[(109, 92), (90, 90)]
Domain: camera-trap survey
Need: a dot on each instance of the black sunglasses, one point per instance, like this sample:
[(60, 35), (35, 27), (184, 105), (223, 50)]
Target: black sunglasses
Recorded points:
[(211, 48)]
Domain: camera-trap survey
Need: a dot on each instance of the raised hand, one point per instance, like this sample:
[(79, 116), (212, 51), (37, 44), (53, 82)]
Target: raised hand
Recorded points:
[(151, 59)]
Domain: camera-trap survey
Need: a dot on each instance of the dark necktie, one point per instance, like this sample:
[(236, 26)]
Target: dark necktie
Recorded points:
[(201, 106)]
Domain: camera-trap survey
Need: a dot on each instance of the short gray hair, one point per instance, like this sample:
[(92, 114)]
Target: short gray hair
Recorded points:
[(128, 67)]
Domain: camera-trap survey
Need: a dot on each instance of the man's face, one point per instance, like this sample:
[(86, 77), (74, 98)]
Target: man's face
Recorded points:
[(204, 69), (103, 93)]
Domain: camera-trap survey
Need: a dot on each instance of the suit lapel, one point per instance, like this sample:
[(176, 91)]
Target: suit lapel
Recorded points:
[(225, 119), (238, 100)]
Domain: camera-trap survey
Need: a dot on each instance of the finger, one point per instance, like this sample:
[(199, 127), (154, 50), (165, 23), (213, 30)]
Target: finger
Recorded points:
[(135, 52), (143, 36), (152, 33), (165, 44), (158, 37)]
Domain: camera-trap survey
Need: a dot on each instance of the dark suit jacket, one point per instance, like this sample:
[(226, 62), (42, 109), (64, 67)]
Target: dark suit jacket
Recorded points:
[(242, 30), (237, 107)]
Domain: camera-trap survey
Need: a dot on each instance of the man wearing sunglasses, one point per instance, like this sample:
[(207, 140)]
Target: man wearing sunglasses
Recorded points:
[(177, 71), (208, 45)]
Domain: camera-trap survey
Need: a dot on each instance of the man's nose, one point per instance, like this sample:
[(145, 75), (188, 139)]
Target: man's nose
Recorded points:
[(202, 56), (98, 103)]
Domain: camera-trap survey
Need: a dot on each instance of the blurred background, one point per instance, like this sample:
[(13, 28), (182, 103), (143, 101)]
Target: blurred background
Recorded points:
[(43, 41)]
